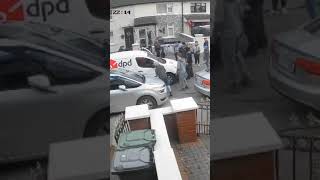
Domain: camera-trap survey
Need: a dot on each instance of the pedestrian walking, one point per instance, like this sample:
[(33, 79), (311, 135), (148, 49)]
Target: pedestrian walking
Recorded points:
[(163, 54), (206, 42), (283, 6), (162, 74), (181, 69), (182, 49), (234, 44), (189, 63), (157, 47), (196, 53)]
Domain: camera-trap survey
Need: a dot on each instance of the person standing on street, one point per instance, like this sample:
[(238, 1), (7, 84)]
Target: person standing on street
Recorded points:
[(189, 63), (182, 73), (196, 53), (234, 44), (163, 54), (162, 74), (157, 47), (283, 5), (182, 50)]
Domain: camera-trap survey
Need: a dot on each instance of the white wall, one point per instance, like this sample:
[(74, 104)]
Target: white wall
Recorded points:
[(117, 23)]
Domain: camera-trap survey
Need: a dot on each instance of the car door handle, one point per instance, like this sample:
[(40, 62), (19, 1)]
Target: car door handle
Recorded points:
[(140, 71)]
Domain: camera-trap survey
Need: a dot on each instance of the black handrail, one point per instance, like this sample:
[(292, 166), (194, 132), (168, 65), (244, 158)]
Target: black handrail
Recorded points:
[(294, 146)]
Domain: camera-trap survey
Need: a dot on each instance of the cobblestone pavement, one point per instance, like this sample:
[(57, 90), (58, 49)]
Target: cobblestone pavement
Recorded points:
[(194, 158)]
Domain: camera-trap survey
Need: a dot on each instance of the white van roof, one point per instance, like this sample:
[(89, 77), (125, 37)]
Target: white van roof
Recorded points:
[(125, 54)]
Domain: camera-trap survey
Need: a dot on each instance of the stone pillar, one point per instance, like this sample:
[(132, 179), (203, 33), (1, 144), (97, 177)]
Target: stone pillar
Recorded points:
[(138, 117), (186, 114), (186, 125)]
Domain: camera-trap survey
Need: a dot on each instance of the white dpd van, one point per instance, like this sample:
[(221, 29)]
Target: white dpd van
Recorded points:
[(87, 17), (143, 62)]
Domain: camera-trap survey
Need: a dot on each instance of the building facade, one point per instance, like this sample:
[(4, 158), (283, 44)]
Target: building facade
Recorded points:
[(145, 20)]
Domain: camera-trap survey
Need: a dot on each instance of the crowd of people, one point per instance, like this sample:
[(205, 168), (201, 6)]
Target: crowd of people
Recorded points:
[(184, 55), (241, 30)]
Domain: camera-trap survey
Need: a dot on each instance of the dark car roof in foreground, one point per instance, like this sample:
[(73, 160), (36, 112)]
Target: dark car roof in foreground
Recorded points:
[(23, 31)]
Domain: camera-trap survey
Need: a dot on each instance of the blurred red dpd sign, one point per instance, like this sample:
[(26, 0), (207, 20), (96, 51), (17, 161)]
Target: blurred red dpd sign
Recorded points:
[(11, 10), (113, 64)]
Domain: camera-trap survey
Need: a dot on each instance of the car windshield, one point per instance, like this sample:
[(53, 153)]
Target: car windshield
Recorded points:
[(50, 37), (131, 75), (157, 58), (70, 38)]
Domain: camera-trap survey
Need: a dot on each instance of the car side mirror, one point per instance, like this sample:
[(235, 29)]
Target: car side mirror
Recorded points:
[(40, 82), (123, 88)]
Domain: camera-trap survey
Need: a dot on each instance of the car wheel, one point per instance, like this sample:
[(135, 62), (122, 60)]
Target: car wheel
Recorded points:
[(98, 125), (148, 100), (171, 78)]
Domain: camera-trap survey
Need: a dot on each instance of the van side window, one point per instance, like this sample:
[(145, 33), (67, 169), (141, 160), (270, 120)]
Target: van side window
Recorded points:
[(144, 62)]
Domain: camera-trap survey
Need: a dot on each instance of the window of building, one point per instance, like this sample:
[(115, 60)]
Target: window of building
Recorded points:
[(161, 8), (198, 7), (170, 29), (170, 8)]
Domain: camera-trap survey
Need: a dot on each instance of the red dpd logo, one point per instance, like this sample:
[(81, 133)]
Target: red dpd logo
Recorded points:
[(11, 10), (113, 64)]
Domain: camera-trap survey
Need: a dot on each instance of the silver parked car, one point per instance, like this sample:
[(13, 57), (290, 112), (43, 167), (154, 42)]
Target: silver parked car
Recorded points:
[(294, 68), (47, 96), (128, 88), (202, 82)]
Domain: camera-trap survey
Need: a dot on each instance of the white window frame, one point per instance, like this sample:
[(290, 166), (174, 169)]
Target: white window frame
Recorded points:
[(169, 27), (170, 5), (206, 5)]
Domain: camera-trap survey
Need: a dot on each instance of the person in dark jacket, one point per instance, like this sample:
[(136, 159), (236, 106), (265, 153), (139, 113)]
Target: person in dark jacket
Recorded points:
[(189, 63), (196, 52), (162, 74), (163, 54), (157, 47), (182, 50), (182, 73)]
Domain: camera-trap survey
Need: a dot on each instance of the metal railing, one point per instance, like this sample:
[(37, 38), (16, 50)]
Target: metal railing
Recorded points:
[(203, 118), (295, 144), (122, 126)]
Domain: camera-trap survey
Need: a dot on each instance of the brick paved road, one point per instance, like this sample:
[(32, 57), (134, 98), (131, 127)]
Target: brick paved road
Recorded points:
[(194, 158)]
